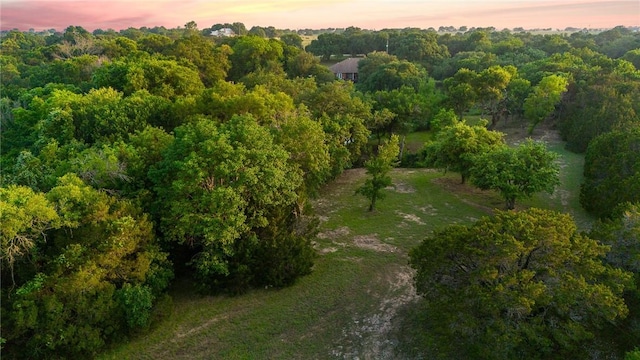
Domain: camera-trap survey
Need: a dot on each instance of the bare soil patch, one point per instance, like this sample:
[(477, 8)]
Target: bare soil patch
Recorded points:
[(371, 242), (402, 188), (428, 210), (411, 217), (334, 234)]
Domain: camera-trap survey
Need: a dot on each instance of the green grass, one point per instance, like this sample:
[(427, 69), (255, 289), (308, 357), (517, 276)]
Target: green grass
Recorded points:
[(359, 300), (415, 141)]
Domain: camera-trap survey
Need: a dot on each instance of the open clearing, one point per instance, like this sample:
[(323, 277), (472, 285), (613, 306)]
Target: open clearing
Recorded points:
[(359, 302)]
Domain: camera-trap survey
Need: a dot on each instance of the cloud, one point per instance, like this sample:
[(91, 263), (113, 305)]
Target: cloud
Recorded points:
[(372, 14), (59, 15), (527, 14)]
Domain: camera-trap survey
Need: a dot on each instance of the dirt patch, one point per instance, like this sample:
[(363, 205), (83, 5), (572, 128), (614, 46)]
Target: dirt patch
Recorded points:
[(327, 250), (402, 188), (371, 242), (334, 234), (563, 195), (410, 217), (429, 210)]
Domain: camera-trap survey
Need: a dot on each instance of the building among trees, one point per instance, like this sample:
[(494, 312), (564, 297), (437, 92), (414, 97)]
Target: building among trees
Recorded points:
[(346, 69)]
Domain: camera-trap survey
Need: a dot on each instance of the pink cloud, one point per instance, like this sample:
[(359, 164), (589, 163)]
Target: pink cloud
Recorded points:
[(378, 14), (91, 15)]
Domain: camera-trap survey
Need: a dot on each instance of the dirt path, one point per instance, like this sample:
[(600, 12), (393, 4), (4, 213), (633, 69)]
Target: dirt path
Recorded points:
[(372, 335)]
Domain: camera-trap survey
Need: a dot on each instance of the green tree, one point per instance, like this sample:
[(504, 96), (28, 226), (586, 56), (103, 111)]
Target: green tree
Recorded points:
[(212, 62), (421, 47), (327, 44), (25, 216), (378, 168), (371, 63), (413, 107), (622, 233), (305, 64), (611, 104), (393, 75), (217, 184), (490, 86), (119, 47), (611, 172), (458, 144), (521, 284), (544, 98), (633, 56), (154, 43), (73, 303), (461, 95), (98, 115), (292, 39), (517, 92), (164, 78), (310, 155), (342, 114), (253, 53), (516, 172)]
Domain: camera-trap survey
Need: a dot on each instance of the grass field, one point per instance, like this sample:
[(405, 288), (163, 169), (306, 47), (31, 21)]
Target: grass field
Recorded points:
[(359, 301)]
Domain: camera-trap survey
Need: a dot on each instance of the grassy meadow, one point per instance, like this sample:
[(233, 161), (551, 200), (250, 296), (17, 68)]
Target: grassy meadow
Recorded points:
[(359, 301)]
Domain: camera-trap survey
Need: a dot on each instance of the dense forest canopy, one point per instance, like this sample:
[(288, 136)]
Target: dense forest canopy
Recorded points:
[(133, 157)]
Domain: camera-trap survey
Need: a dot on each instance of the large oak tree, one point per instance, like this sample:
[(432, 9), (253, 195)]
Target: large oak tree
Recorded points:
[(517, 285)]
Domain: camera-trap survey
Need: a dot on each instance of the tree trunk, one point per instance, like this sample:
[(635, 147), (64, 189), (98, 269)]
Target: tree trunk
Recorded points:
[(372, 205), (494, 120)]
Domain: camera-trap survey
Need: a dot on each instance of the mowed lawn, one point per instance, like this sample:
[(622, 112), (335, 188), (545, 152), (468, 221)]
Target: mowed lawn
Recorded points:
[(359, 302)]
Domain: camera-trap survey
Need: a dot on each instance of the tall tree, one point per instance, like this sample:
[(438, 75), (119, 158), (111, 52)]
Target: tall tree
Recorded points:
[(254, 53), (212, 61), (490, 86), (611, 172), (94, 280), (516, 172), (458, 144), (327, 44), (164, 78), (544, 98), (26, 216), (460, 92), (518, 284), (216, 185), (342, 114)]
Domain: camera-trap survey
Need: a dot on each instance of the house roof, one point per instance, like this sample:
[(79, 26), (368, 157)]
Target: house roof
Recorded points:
[(347, 66)]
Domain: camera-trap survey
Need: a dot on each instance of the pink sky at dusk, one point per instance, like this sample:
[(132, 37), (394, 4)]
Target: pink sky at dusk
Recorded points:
[(315, 14)]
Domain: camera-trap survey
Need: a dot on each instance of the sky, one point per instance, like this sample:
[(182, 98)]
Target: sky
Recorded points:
[(315, 14)]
